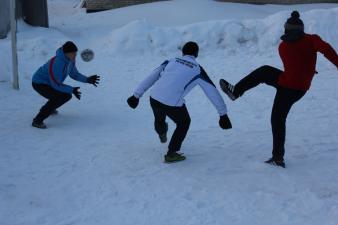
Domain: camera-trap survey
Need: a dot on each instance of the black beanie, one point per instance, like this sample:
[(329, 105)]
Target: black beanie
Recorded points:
[(69, 47), (294, 23), (190, 48)]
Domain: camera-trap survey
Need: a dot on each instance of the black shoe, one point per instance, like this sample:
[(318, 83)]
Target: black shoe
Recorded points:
[(163, 137), (39, 125), (228, 89), (274, 162), (174, 157)]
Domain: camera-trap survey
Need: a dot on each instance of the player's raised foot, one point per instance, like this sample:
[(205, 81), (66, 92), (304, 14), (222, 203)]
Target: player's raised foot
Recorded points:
[(38, 124), (228, 89), (163, 137), (174, 157), (54, 113), (274, 162)]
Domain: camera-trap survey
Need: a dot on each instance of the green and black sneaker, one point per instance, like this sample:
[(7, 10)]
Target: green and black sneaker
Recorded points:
[(174, 157), (163, 137)]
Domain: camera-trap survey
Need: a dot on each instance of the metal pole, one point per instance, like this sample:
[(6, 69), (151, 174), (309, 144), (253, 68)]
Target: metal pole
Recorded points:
[(14, 48)]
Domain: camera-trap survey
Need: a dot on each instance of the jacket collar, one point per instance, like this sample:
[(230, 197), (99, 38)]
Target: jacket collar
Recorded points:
[(61, 55)]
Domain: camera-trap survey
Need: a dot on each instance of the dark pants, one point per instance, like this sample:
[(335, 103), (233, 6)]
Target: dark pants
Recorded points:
[(284, 100), (179, 115), (55, 100)]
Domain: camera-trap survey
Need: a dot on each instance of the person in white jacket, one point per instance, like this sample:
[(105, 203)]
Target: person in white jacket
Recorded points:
[(171, 82)]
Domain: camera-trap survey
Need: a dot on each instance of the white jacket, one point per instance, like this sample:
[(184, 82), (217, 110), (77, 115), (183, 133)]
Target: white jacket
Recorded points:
[(175, 78)]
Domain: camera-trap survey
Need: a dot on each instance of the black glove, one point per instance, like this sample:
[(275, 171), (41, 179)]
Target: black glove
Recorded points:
[(94, 80), (133, 102), (77, 93), (224, 122)]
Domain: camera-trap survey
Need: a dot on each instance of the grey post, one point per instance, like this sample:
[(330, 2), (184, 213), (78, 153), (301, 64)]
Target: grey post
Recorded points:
[(14, 48)]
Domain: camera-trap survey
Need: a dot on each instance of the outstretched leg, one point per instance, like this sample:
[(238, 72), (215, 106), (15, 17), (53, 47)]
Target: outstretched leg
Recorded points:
[(265, 74), (284, 100)]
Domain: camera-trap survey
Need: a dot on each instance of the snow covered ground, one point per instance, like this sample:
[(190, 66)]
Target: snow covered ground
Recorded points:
[(101, 162)]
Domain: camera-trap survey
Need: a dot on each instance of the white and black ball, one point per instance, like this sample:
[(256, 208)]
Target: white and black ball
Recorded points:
[(87, 55)]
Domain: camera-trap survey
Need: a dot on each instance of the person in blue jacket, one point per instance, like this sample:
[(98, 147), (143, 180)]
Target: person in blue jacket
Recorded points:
[(48, 81)]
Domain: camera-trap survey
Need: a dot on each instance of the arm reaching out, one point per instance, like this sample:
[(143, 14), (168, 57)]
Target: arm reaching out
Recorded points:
[(216, 99), (149, 81), (133, 101), (212, 93), (326, 49), (76, 75)]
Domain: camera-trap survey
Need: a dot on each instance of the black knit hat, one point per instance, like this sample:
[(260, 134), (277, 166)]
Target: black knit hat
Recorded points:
[(294, 22), (190, 48), (69, 47)]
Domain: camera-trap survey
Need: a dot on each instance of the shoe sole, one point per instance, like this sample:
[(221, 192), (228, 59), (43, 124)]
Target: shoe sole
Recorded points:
[(42, 128), (171, 162), (176, 161), (275, 164), (223, 85)]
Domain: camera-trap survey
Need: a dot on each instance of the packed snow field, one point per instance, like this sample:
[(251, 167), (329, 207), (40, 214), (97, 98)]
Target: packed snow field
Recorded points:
[(101, 162)]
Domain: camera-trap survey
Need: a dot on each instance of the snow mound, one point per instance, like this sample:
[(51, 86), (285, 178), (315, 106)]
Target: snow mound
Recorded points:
[(255, 35)]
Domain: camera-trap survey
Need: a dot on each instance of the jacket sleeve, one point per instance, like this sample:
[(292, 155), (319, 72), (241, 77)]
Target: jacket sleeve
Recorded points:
[(76, 75), (55, 71), (326, 49), (212, 93), (150, 80)]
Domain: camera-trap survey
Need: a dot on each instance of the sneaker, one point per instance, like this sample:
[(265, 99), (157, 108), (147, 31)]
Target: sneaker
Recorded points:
[(163, 137), (274, 162), (228, 89), (174, 157), (39, 125)]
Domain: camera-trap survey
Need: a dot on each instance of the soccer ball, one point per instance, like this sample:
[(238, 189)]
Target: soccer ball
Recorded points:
[(87, 55)]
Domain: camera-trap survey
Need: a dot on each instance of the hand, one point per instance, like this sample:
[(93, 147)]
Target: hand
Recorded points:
[(224, 122), (94, 80), (77, 92), (133, 102)]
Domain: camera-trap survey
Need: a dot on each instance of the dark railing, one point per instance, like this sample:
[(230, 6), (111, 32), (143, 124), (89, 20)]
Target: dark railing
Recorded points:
[(98, 5), (280, 1)]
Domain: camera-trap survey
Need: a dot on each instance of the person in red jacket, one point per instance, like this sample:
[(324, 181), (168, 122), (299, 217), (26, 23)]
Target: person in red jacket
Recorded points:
[(298, 52)]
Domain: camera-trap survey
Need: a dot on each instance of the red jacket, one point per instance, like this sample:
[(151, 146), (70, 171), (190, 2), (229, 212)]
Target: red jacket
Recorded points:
[(299, 59)]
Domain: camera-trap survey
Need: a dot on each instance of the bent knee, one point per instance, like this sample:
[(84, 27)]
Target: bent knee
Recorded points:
[(184, 124), (266, 68)]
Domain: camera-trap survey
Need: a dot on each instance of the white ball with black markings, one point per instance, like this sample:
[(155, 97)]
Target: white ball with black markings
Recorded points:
[(87, 55)]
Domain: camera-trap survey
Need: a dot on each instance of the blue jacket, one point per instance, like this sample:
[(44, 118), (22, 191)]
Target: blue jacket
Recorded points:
[(56, 70)]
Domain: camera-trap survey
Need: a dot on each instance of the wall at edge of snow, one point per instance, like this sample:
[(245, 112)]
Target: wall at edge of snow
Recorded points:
[(95, 5), (288, 2)]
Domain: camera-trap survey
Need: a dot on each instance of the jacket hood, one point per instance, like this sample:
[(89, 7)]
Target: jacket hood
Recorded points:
[(61, 55)]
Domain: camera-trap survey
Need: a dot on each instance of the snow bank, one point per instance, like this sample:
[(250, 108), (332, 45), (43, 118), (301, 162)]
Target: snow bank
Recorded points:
[(249, 36), (257, 35)]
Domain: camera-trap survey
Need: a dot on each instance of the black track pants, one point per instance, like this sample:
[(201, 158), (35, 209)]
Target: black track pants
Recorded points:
[(55, 100), (179, 115), (284, 100)]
